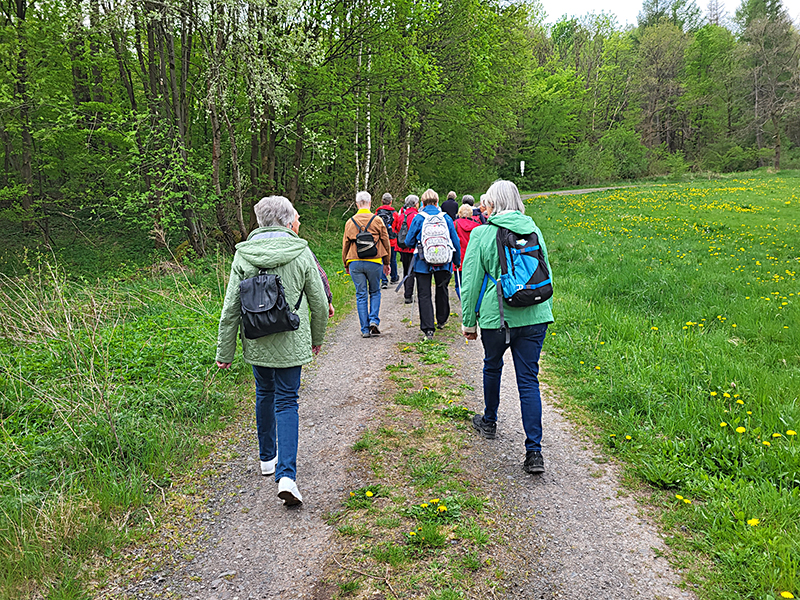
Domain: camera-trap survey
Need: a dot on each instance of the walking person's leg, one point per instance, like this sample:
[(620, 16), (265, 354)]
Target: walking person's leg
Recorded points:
[(287, 387), (494, 347), (408, 286), (393, 266), (265, 418), (526, 348), (426, 323), (442, 278), (359, 277), (374, 272)]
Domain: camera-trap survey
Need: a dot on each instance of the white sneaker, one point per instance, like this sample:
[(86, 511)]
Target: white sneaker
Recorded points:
[(268, 466), (288, 492)]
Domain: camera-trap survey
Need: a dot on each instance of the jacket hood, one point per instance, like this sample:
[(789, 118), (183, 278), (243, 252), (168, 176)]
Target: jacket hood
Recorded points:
[(272, 252), (467, 224), (386, 206), (515, 221)]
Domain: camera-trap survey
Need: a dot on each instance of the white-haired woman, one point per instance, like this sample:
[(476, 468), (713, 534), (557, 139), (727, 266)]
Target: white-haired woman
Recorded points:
[(277, 359), (527, 326)]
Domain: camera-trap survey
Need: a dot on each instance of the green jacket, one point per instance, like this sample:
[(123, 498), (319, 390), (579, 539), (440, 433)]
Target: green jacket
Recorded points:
[(482, 258), (289, 257)]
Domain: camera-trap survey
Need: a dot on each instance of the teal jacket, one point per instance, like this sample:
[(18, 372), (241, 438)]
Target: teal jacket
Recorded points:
[(482, 258), (289, 257)]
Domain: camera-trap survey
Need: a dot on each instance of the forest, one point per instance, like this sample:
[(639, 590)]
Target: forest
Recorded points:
[(172, 117)]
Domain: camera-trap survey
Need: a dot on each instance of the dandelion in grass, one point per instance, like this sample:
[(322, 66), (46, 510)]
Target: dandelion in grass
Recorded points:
[(726, 395), (790, 432), (776, 435), (352, 494), (424, 505), (740, 402), (435, 501), (712, 393), (787, 595), (749, 412), (679, 497), (597, 367), (368, 494), (627, 437), (687, 501), (412, 533), (766, 443), (753, 522), (612, 435), (723, 424), (442, 508), (654, 328), (740, 430)]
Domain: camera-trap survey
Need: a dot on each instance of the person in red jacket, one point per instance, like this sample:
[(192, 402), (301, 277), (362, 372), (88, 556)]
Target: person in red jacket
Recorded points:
[(387, 212), (465, 222), (405, 216)]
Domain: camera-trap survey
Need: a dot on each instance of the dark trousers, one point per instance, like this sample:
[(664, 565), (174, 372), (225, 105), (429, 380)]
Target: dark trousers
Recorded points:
[(408, 286), (441, 278)]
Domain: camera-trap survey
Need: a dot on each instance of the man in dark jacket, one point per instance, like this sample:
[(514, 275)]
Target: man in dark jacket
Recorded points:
[(450, 206)]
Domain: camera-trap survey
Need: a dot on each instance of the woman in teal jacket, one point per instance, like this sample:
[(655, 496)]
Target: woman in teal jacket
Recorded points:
[(527, 325), (278, 358)]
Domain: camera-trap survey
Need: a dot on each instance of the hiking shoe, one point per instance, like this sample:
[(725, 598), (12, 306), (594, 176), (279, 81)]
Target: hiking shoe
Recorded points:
[(441, 325), (534, 463), (384, 285), (288, 492), (429, 335), (487, 430), (407, 301), (395, 280), (268, 466), (366, 334), (373, 330)]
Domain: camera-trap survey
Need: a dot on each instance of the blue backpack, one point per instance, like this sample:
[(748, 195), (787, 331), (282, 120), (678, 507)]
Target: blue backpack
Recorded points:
[(524, 278)]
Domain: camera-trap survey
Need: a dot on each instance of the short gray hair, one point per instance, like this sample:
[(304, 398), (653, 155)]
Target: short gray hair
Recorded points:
[(387, 198), (451, 195), (486, 201), (506, 196), (363, 199), (411, 200), (275, 211), (468, 199)]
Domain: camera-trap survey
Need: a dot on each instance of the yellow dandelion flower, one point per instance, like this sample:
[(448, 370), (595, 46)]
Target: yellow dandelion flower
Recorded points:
[(787, 595), (753, 522), (435, 501), (654, 328), (749, 412), (601, 343), (790, 432), (679, 497), (442, 508), (736, 395), (412, 533), (424, 505), (733, 324), (723, 424), (740, 430), (627, 437), (613, 435), (352, 494), (726, 395), (766, 443), (598, 368), (687, 501), (712, 393), (776, 435), (369, 494), (740, 402)]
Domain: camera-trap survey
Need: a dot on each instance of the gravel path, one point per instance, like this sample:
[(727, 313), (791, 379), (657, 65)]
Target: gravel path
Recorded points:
[(574, 533)]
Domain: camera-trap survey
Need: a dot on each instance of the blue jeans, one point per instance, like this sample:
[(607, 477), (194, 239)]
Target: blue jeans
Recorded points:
[(392, 268), (276, 417), (526, 347), (366, 276)]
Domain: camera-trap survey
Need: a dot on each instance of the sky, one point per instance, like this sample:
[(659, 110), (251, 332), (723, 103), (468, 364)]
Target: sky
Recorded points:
[(626, 10)]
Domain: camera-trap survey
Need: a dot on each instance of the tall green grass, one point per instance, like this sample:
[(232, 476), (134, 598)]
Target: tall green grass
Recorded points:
[(677, 325)]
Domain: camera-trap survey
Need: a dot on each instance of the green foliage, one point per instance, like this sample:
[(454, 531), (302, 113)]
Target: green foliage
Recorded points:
[(686, 352)]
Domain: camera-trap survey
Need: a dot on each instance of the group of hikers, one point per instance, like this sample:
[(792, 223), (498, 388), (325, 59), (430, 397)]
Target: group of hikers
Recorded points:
[(279, 299)]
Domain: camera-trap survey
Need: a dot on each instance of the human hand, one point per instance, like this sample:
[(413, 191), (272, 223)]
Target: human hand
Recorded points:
[(223, 365), (331, 311), (471, 336), (347, 270), (386, 270), (315, 350)]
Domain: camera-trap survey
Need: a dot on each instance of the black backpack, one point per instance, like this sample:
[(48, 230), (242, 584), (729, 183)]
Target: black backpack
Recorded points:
[(264, 307), (365, 242), (387, 216), (401, 235)]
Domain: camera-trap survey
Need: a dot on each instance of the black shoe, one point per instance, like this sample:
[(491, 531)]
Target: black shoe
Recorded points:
[(408, 301), (373, 330), (441, 325), (534, 463), (487, 430), (394, 280), (429, 335), (384, 284)]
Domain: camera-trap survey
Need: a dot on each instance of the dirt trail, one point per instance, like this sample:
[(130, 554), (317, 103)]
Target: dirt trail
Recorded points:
[(575, 192), (579, 536)]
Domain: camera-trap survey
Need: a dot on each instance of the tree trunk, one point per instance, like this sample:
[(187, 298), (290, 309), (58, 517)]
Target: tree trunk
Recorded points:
[(24, 102), (776, 124), (216, 157), (235, 174)]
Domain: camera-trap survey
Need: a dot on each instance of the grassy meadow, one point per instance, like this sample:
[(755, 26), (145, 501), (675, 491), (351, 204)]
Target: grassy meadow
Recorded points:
[(108, 390), (677, 328)]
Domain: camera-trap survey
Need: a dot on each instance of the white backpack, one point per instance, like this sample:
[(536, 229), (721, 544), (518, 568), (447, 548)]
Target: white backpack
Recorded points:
[(437, 249)]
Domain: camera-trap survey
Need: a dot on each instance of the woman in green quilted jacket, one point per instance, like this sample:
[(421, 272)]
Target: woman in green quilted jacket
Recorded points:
[(277, 358)]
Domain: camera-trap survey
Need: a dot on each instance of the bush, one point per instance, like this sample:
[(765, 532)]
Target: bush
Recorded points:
[(627, 153)]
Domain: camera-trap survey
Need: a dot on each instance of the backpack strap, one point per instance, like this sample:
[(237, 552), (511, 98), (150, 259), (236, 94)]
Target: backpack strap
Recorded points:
[(370, 222), (353, 219), (299, 300)]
